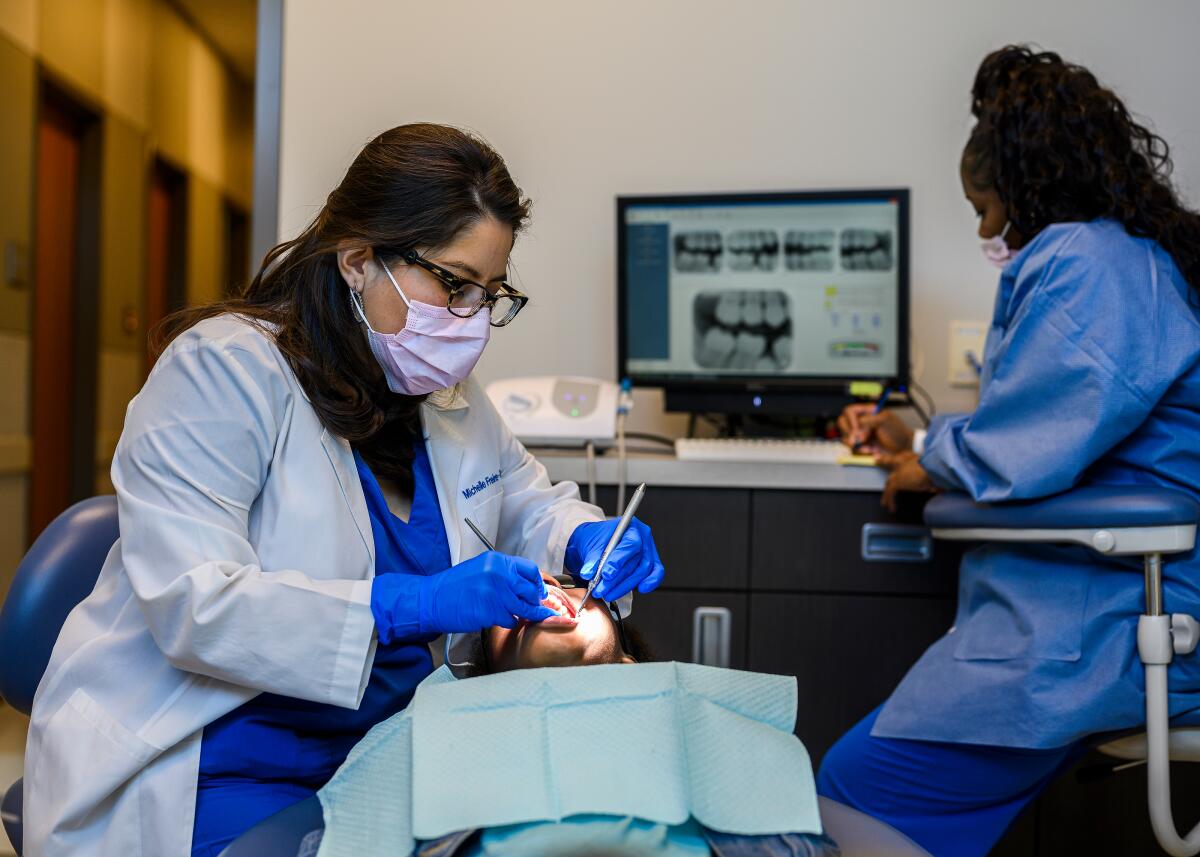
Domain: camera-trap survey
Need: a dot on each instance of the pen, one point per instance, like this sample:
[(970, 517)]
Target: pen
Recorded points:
[(615, 540), (879, 406)]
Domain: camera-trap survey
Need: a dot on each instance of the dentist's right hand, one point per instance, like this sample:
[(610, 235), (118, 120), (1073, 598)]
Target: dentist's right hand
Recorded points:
[(489, 589)]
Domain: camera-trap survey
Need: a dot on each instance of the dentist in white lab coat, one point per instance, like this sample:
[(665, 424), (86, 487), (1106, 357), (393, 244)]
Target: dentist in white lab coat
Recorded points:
[(246, 570)]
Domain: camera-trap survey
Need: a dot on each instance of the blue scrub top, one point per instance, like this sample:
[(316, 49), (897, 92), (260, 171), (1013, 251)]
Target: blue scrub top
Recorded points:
[(1091, 376), (278, 738)]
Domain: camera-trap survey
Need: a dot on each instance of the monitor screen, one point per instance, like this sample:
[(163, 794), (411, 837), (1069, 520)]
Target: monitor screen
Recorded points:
[(783, 289)]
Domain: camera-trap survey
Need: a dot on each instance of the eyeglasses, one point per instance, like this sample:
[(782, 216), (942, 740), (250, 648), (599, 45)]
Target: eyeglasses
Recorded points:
[(467, 298)]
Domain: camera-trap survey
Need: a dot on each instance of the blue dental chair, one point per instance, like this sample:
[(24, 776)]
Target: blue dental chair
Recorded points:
[(57, 573), (1146, 521)]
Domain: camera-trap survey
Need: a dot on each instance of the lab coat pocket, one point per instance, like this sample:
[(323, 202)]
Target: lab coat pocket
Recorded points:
[(485, 514), (84, 757), (1021, 602)]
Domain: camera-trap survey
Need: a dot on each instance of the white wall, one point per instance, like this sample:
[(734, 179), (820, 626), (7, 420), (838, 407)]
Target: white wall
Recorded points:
[(589, 100)]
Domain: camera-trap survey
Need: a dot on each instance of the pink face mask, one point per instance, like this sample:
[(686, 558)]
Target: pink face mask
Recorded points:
[(435, 349), (996, 249)]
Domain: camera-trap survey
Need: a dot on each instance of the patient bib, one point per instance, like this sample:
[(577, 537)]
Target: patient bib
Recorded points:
[(662, 742)]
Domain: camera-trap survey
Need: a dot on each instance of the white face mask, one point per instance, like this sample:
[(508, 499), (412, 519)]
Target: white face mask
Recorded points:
[(996, 249), (436, 349)]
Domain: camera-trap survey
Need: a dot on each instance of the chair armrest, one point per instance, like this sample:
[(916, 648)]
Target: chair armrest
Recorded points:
[(1133, 519)]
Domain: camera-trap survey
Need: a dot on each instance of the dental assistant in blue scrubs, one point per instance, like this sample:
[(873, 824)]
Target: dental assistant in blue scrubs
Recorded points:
[(1091, 375), (293, 482)]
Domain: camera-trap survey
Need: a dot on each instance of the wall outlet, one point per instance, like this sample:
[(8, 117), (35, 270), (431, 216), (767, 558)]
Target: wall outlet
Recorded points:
[(966, 352)]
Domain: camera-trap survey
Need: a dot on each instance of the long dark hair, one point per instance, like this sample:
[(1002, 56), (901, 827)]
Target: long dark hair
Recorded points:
[(415, 186), (1057, 146)]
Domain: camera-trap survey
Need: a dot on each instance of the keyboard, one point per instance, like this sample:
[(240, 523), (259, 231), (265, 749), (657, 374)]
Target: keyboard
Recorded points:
[(760, 449)]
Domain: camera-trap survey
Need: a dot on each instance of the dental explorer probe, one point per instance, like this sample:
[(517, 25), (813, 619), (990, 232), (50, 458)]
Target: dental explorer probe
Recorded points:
[(618, 533), (479, 534), (563, 580)]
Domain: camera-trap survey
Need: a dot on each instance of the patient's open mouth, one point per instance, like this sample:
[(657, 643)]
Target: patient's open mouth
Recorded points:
[(558, 601)]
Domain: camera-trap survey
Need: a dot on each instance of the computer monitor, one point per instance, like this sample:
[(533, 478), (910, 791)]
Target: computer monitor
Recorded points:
[(763, 302)]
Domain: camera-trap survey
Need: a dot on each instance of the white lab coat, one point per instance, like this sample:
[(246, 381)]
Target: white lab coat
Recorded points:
[(244, 565)]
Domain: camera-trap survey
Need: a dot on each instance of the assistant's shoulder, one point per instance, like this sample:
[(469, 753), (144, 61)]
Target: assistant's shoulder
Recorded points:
[(1095, 261)]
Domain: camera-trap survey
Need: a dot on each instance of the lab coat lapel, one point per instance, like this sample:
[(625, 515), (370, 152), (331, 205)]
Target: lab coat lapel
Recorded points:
[(445, 441), (341, 457)]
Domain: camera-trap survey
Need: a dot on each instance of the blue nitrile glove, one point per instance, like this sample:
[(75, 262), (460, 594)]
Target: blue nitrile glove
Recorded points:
[(489, 589), (633, 562)]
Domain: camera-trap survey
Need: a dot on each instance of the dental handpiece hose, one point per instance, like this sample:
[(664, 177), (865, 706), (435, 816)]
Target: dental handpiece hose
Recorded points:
[(615, 540)]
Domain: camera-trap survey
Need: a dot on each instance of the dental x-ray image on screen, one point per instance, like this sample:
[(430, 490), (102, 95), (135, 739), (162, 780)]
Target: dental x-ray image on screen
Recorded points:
[(866, 250), (810, 250), (753, 250), (698, 252), (749, 331)]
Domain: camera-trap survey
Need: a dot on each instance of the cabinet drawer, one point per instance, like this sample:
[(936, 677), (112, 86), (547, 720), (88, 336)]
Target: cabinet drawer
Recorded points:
[(702, 534), (847, 652), (811, 541), (665, 619)]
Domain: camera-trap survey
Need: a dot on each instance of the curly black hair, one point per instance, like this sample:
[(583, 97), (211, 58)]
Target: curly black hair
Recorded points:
[(1059, 147)]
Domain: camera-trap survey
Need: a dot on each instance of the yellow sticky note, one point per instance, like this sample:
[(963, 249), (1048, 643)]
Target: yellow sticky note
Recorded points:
[(851, 460), (866, 389)]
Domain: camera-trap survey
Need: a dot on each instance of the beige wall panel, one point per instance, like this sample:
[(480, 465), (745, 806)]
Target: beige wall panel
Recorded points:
[(14, 452), (205, 252), (71, 42), (18, 21), (127, 59), (207, 107), (122, 233), (13, 504), (239, 147), (120, 378), (17, 108), (14, 384), (169, 44)]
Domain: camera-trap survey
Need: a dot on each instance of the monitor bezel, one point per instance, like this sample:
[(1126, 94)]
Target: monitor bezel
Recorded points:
[(798, 385)]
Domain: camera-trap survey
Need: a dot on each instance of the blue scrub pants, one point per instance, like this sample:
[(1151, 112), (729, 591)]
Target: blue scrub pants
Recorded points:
[(226, 810), (954, 800)]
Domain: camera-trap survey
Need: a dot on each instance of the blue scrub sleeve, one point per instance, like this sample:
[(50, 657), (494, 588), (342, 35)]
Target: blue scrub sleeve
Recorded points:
[(1065, 380)]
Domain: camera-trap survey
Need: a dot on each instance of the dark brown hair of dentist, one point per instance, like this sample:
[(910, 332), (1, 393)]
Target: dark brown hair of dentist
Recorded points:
[(413, 187)]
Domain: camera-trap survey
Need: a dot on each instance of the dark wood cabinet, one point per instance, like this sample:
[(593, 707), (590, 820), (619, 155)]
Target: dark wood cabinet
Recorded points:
[(847, 653)]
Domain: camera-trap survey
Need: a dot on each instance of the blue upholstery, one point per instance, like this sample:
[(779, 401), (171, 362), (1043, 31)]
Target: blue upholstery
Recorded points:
[(1093, 506), (10, 812), (58, 572), (281, 834)]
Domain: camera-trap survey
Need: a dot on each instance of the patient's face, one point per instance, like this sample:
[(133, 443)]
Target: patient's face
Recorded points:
[(577, 638)]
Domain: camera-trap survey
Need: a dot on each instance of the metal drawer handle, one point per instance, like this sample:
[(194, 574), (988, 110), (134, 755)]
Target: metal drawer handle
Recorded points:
[(896, 543), (711, 633)]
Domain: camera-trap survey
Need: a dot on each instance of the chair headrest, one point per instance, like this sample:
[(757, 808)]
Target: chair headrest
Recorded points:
[(58, 572)]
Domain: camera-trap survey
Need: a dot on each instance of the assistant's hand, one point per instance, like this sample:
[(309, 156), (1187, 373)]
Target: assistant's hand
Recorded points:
[(906, 474), (489, 589), (633, 563), (860, 427)]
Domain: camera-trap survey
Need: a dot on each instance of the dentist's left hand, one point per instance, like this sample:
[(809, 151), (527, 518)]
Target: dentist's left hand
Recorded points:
[(633, 563)]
